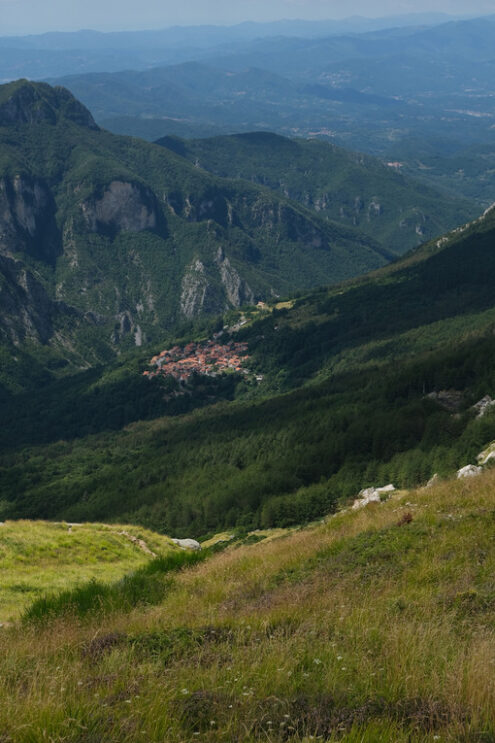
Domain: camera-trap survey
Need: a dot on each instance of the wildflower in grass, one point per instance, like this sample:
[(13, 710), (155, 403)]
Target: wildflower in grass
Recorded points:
[(317, 661), (185, 691)]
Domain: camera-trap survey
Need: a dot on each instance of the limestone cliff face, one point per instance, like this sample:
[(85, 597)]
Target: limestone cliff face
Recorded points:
[(213, 288), (193, 290), (27, 218), (25, 309), (126, 325), (124, 207), (237, 290)]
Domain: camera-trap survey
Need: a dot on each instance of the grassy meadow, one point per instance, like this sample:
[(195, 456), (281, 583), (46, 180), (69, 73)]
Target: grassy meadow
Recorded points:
[(374, 625), (38, 557)]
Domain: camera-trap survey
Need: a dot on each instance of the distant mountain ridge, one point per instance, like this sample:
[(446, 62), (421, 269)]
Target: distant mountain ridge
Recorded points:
[(398, 93)]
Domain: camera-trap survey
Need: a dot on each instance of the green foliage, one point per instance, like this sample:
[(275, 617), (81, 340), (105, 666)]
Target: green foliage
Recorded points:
[(343, 404), (147, 585), (341, 186)]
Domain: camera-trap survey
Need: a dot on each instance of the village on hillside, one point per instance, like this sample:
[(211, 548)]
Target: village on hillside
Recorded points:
[(209, 358)]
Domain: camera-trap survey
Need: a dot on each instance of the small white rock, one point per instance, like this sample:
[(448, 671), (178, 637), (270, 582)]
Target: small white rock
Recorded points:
[(371, 495), (470, 470), (187, 544)]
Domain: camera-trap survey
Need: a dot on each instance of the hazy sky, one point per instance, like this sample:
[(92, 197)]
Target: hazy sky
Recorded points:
[(28, 16)]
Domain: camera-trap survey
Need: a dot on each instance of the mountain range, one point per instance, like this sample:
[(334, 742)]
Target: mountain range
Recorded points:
[(247, 388), (58, 53), (107, 240), (397, 93), (351, 391)]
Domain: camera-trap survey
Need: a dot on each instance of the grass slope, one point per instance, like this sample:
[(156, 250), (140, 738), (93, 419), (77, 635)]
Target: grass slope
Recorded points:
[(37, 557), (374, 626)]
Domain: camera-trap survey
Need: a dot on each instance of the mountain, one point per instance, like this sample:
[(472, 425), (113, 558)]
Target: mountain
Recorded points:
[(56, 53), (355, 189), (395, 93), (346, 390), (108, 242)]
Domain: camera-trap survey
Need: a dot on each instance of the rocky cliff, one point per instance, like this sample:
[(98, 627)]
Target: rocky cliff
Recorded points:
[(107, 241)]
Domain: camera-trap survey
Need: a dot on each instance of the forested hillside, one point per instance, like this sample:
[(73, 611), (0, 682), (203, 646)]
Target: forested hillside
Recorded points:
[(352, 188), (344, 402)]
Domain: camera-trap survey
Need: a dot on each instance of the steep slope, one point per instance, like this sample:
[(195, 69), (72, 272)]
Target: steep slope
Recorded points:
[(108, 241), (354, 189), (347, 397), (374, 626)]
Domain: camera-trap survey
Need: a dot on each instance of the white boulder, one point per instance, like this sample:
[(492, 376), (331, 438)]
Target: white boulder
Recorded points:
[(470, 470), (187, 544), (371, 495)]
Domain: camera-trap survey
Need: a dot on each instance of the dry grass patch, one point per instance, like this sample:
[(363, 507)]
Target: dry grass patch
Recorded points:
[(359, 629)]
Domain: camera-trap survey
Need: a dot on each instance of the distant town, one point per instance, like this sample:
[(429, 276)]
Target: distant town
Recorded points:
[(208, 359)]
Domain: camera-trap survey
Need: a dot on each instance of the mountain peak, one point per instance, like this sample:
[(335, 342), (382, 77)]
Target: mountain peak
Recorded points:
[(25, 102)]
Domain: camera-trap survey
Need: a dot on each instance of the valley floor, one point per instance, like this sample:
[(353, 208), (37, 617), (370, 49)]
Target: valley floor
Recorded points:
[(376, 625)]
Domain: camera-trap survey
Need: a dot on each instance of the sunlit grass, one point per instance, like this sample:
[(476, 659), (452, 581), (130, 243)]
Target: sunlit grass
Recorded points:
[(38, 557), (356, 630)]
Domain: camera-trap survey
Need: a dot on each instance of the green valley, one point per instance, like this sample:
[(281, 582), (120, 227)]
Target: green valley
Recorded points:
[(346, 401)]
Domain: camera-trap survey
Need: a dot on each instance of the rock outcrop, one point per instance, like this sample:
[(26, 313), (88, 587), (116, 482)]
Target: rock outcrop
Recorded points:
[(27, 219), (372, 495), (433, 481), (451, 400), (470, 470), (487, 455), (483, 406), (187, 544), (123, 207)]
